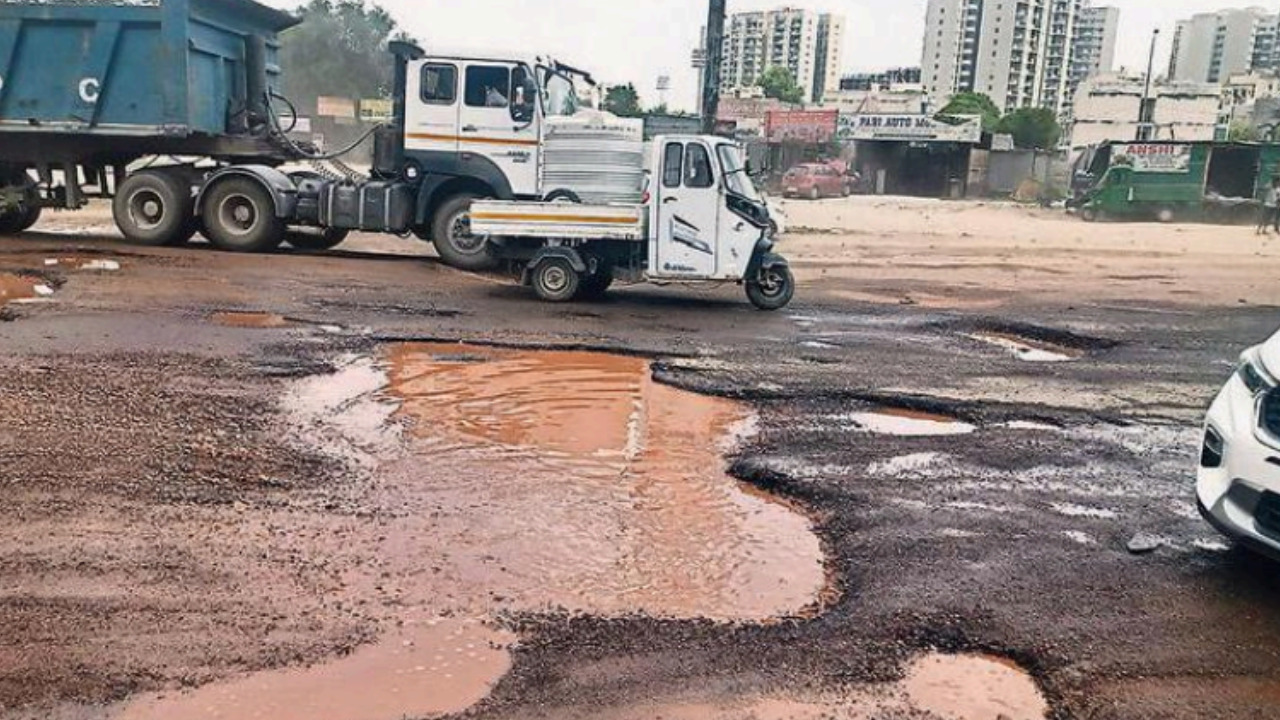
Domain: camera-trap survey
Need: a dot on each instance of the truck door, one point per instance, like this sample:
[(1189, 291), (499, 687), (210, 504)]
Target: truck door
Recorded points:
[(499, 121), (431, 109), (688, 200)]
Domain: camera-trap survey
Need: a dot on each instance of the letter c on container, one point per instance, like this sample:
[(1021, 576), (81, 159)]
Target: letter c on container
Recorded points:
[(90, 90)]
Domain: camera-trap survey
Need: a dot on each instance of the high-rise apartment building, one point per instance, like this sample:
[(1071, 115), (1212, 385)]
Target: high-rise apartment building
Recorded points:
[(807, 43), (1020, 53), (1212, 47), (1095, 51)]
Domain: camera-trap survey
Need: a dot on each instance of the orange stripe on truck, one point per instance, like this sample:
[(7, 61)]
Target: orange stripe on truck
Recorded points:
[(476, 140), (516, 217)]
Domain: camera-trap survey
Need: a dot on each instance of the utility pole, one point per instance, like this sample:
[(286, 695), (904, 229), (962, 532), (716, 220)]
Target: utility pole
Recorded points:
[(1147, 110), (715, 59)]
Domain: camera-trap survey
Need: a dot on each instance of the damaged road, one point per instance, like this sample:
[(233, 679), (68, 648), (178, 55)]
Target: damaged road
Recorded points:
[(240, 485)]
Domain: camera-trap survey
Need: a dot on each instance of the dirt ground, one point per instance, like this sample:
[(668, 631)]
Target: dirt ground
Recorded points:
[(364, 486)]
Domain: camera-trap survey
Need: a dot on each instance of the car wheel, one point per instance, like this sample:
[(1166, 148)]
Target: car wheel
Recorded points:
[(555, 280), (773, 289)]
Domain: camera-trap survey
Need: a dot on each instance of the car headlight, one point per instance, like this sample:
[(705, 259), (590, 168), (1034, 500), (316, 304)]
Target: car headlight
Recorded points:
[(1253, 375)]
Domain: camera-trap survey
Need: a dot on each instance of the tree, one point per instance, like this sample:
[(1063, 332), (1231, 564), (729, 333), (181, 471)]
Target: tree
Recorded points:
[(623, 101), (339, 50), (1242, 131), (778, 83), (1032, 128), (971, 103)]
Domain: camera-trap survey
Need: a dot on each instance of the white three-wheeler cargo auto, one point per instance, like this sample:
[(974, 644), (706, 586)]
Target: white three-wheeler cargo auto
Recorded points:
[(702, 222)]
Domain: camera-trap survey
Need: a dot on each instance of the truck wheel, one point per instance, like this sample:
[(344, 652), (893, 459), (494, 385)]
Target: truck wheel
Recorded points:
[(239, 216), (1089, 214), (312, 239), (1164, 214), (555, 280), (451, 233), (815, 194), (154, 208), (19, 220), (773, 289)]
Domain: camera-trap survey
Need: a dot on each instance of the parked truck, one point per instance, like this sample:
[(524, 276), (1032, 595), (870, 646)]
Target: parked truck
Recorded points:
[(1164, 181), (112, 99)]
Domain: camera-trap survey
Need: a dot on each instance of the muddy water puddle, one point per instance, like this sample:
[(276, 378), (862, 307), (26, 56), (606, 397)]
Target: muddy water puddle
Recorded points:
[(909, 423), (572, 479), (946, 687), (249, 320), (16, 288), (425, 669), (1027, 349)]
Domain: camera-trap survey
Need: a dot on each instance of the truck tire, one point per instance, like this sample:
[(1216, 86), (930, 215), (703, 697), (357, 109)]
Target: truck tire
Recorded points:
[(239, 216), (451, 234), (555, 280), (20, 220), (315, 239), (774, 288), (28, 212), (155, 208)]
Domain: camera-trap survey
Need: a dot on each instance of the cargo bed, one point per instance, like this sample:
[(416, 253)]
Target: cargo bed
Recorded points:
[(560, 220)]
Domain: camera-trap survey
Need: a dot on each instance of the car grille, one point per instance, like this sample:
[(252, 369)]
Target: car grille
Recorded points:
[(1269, 417), (1267, 515)]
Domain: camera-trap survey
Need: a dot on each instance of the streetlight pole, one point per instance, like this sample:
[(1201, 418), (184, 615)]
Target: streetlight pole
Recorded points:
[(715, 59), (1146, 111)]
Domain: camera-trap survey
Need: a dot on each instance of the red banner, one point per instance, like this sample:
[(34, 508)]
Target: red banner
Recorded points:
[(801, 126)]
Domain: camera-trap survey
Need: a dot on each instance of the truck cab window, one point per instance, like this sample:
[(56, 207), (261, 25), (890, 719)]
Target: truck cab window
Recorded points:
[(672, 165), (488, 86), (524, 101), (698, 167), (439, 84)]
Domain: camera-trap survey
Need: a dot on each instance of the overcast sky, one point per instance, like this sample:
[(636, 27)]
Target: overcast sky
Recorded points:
[(638, 40)]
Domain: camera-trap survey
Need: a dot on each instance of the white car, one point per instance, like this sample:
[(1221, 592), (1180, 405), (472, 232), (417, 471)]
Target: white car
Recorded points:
[(1238, 486)]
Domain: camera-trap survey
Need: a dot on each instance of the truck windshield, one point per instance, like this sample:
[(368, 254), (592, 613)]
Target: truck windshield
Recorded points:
[(734, 170), (559, 95)]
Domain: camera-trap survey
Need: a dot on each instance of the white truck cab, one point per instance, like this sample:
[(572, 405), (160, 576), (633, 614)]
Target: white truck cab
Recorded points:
[(473, 127), (703, 222)]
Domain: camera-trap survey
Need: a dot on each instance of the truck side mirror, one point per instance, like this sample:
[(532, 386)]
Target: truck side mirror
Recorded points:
[(524, 101)]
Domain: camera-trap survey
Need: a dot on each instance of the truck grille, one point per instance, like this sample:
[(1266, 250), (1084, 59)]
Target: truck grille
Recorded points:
[(1269, 416)]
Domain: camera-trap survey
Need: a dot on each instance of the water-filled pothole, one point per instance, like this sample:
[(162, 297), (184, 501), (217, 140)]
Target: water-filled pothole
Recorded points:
[(249, 320), (946, 687), (426, 668), (1029, 349), (19, 288), (909, 423)]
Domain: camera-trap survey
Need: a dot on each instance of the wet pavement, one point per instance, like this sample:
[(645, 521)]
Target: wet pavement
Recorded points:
[(667, 505)]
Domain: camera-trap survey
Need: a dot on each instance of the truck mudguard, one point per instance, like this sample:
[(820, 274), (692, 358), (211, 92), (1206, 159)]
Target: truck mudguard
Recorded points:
[(441, 168)]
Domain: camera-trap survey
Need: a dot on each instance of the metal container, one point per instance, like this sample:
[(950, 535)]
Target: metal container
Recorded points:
[(597, 157), (135, 68)]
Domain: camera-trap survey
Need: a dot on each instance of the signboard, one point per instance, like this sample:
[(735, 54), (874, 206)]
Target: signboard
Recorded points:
[(1153, 157), (302, 126), (335, 107), (912, 128), (801, 126), (376, 110)]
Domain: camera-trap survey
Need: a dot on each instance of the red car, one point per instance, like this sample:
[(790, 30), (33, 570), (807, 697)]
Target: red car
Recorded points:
[(815, 181)]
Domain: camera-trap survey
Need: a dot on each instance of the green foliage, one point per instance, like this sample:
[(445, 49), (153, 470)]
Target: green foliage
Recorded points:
[(339, 50), (623, 101), (1032, 128), (1242, 131), (779, 84), (971, 103)]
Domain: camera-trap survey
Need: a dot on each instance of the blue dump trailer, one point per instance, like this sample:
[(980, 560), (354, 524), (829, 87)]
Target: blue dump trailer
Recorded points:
[(87, 87)]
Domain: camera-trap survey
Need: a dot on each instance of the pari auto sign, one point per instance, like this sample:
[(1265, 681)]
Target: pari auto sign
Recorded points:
[(1153, 157), (915, 128)]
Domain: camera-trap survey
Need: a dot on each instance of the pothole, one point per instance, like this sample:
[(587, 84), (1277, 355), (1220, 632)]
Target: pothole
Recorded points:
[(427, 668), (1027, 349), (15, 288), (945, 687), (909, 423), (250, 320)]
